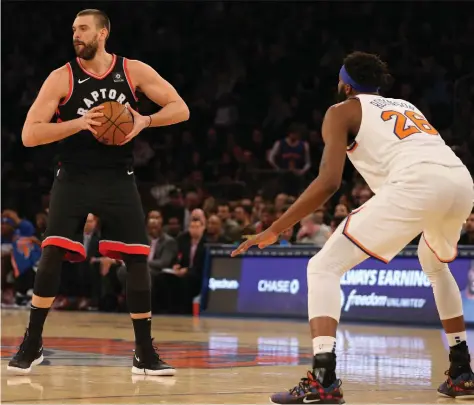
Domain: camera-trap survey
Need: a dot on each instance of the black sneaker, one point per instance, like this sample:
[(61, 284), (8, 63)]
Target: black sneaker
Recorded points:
[(29, 354), (147, 361)]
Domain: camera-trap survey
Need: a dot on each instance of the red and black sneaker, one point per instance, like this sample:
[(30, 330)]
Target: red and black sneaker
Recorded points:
[(310, 391), (460, 381), (460, 387)]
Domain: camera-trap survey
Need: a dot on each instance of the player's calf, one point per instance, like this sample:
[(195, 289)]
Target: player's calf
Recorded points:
[(146, 359)]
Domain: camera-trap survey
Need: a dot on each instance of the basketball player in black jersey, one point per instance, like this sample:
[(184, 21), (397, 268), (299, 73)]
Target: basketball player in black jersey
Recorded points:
[(94, 178)]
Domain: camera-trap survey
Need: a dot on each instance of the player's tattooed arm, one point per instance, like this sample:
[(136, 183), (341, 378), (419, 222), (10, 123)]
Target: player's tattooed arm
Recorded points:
[(335, 132)]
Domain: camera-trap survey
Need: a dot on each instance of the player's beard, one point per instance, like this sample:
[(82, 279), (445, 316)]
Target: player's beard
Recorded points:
[(87, 51), (341, 94)]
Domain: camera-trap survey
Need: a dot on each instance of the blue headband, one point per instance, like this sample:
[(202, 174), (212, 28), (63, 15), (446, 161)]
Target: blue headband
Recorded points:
[(356, 86)]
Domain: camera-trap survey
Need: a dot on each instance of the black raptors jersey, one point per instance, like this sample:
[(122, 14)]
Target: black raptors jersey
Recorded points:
[(86, 91)]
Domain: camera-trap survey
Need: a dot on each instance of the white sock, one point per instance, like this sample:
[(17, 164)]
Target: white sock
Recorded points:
[(453, 338), (324, 344)]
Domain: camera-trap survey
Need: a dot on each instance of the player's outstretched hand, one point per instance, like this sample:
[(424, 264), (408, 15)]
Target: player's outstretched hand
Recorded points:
[(88, 119), (262, 240), (140, 122)]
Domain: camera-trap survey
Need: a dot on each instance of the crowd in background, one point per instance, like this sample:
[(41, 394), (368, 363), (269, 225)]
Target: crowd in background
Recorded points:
[(258, 78)]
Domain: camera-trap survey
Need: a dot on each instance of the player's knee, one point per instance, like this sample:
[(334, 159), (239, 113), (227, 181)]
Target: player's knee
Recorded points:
[(51, 259), (429, 262), (138, 275), (322, 265), (48, 275)]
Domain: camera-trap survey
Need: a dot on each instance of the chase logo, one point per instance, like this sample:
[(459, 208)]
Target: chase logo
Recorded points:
[(279, 286)]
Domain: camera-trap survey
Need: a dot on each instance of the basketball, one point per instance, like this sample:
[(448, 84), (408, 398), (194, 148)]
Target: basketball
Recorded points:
[(117, 123)]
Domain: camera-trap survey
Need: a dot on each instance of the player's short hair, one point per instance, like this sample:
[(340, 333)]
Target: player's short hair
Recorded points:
[(367, 69), (103, 21)]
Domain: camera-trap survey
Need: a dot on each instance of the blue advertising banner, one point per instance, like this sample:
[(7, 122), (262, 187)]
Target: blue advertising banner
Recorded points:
[(276, 285)]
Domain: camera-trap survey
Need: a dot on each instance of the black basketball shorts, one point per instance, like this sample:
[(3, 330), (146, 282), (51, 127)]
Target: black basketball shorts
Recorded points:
[(112, 196)]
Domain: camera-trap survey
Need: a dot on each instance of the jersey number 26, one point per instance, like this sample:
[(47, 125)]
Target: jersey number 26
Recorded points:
[(402, 129)]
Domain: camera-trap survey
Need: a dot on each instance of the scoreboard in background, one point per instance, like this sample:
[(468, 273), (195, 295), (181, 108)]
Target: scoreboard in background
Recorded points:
[(273, 282)]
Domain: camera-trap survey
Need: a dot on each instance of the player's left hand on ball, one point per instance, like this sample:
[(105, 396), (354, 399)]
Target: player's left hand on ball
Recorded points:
[(262, 240), (140, 122)]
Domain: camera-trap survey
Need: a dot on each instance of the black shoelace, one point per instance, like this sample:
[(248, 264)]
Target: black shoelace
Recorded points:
[(302, 388)]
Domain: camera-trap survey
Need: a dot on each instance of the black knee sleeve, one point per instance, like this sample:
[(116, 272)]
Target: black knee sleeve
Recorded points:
[(138, 284), (48, 275)]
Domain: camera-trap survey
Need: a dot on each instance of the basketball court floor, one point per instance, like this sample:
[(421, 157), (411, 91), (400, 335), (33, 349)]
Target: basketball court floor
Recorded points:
[(220, 361)]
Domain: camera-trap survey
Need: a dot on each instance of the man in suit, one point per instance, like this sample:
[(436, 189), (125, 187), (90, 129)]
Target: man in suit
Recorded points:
[(163, 248), (175, 291)]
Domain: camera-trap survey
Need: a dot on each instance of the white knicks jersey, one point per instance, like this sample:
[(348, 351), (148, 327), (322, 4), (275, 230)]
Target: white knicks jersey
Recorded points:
[(394, 135)]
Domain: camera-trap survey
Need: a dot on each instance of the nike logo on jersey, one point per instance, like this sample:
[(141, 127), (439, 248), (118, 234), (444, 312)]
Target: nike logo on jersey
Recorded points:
[(129, 172), (310, 401), (82, 81)]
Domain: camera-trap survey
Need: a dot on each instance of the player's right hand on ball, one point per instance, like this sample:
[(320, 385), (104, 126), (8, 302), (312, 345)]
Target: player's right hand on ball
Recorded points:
[(88, 120)]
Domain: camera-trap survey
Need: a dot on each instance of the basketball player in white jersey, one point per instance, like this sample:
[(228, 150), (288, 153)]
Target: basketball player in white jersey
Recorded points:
[(420, 186)]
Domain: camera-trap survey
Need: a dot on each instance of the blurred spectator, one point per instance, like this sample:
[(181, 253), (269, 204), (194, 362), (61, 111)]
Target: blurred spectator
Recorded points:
[(8, 230), (26, 252), (163, 248), (175, 206), (278, 112), (365, 194), (214, 231), (231, 227), (41, 222), (258, 205), (209, 206), (281, 201), (173, 227), (267, 217), (227, 113), (291, 155), (191, 202), (198, 213), (243, 215), (341, 210), (154, 214), (313, 231), (468, 236), (286, 237)]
